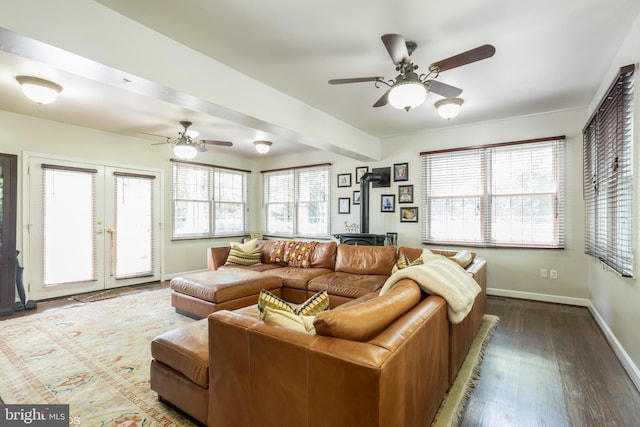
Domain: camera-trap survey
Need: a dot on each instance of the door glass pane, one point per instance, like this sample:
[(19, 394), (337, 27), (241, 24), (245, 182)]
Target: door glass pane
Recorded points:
[(69, 231), (133, 237)]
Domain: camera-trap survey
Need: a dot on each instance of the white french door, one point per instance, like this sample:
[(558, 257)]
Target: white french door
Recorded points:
[(91, 227)]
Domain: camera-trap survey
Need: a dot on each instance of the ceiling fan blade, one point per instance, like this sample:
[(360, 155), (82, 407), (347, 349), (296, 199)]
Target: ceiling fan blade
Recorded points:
[(355, 80), (161, 143), (383, 100), (443, 89), (218, 143), (397, 48), (464, 58)]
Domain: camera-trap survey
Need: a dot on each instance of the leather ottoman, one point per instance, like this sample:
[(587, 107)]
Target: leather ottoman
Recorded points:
[(180, 369), (199, 294)]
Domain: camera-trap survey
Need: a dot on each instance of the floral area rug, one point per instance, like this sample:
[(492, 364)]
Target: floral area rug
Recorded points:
[(94, 357)]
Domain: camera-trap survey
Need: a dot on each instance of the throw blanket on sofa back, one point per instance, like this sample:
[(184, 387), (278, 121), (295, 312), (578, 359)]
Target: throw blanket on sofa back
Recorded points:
[(441, 276)]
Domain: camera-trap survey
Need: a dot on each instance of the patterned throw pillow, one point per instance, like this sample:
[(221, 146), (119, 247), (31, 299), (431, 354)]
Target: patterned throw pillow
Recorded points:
[(298, 255), (403, 262), (314, 305), (244, 253), (267, 299), (463, 258)]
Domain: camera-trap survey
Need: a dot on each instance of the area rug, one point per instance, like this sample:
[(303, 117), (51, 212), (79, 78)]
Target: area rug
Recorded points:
[(86, 356), (108, 294), (94, 357), (452, 407)]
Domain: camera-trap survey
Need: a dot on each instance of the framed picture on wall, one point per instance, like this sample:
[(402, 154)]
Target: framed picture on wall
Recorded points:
[(388, 203), (401, 172), (359, 172), (405, 194), (344, 180), (356, 197), (344, 205), (408, 214)]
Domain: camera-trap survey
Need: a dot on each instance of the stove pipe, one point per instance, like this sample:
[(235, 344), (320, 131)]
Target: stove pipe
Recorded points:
[(364, 198)]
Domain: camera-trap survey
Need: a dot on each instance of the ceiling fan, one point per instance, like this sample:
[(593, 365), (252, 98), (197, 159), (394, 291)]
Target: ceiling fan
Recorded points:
[(409, 89), (186, 146)]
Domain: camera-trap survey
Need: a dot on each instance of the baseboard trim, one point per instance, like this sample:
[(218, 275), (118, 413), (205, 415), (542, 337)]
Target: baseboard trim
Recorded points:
[(632, 370), (582, 302)]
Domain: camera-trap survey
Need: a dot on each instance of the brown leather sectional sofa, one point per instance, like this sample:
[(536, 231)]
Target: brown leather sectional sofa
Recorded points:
[(374, 360)]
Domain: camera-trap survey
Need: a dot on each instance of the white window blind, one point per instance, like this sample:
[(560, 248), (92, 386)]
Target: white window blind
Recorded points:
[(296, 201), (608, 177), (68, 213), (502, 195), (208, 201), (132, 242)]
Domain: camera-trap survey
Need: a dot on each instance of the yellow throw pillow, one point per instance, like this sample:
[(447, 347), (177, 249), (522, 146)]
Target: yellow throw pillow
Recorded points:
[(244, 253), (314, 305), (267, 299), (289, 320), (403, 262)]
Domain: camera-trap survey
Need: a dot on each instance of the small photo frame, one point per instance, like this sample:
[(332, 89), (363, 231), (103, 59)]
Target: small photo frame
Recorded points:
[(344, 205), (401, 172), (408, 214), (388, 203), (344, 180), (405, 194), (359, 172), (356, 197)]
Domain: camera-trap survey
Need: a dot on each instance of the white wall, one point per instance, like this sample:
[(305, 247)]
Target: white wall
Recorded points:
[(20, 134)]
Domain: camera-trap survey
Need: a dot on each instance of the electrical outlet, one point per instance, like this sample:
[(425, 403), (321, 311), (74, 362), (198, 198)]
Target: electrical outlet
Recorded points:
[(553, 274), (543, 273)]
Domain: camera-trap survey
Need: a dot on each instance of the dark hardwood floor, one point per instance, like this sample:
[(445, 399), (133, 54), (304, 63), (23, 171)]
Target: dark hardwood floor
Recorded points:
[(546, 365), (550, 365)]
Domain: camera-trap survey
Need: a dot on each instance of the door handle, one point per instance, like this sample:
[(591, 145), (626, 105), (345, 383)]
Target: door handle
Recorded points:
[(99, 231)]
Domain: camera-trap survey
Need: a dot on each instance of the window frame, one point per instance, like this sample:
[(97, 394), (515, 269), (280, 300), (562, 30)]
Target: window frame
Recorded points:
[(472, 181), (209, 203), (292, 200)]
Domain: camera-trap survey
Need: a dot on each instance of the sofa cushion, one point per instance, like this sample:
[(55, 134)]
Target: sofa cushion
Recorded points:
[(324, 255), (365, 259), (347, 285), (297, 278), (244, 253), (289, 320), (364, 321)]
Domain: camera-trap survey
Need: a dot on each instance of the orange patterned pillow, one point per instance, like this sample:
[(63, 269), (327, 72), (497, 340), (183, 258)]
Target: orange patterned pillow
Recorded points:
[(299, 254)]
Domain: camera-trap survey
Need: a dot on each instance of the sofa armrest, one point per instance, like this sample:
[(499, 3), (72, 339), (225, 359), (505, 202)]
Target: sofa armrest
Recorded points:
[(217, 256), (478, 270)]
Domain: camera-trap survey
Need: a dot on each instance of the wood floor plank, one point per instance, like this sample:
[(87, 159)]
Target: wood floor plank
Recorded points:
[(550, 365)]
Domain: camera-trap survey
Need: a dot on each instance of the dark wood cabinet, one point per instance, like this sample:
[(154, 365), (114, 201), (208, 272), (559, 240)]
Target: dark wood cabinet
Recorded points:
[(8, 194)]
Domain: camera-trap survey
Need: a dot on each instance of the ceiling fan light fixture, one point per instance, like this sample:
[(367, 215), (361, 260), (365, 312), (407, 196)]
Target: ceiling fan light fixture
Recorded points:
[(449, 108), (262, 147), (407, 95), (184, 150), (39, 90)]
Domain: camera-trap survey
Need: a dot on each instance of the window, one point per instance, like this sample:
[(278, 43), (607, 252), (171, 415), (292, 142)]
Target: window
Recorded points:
[(608, 177), (506, 195), (296, 201), (208, 201)]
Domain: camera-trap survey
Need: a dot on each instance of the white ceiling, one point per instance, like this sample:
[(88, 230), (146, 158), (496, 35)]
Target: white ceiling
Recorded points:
[(550, 55)]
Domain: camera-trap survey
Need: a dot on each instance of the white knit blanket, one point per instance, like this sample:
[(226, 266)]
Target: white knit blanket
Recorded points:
[(441, 276)]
